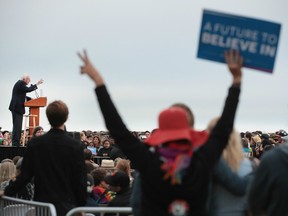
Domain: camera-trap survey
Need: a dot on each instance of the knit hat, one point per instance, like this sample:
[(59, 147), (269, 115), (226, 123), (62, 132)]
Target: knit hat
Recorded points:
[(119, 178)]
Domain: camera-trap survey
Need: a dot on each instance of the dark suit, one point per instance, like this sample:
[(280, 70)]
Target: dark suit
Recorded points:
[(56, 161), (17, 108)]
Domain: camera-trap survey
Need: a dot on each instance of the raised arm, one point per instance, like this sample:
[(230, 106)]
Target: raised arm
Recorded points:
[(234, 62), (131, 146), (220, 134)]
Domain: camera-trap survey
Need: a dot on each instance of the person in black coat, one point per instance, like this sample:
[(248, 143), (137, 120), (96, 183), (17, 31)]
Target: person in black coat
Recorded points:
[(56, 161), (17, 105), (176, 176)]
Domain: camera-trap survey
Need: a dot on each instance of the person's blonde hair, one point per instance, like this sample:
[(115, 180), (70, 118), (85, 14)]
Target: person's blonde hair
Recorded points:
[(233, 153), (7, 171), (124, 165)]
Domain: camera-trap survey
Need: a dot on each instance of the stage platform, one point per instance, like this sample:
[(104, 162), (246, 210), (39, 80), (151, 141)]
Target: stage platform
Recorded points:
[(11, 151)]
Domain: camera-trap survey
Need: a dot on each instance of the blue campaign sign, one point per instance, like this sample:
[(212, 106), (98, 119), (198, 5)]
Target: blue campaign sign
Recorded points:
[(256, 40)]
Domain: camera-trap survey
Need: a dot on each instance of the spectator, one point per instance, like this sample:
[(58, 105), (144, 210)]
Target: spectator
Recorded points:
[(255, 145), (15, 159), (97, 143), (268, 194), (90, 202), (248, 135), (5, 142), (6, 138), (83, 138), (89, 139), (224, 201), (26, 192), (246, 150), (124, 165), (7, 173), (174, 175), (119, 183), (105, 151), (147, 134), (60, 178), (38, 131), (101, 193), (88, 158), (116, 152)]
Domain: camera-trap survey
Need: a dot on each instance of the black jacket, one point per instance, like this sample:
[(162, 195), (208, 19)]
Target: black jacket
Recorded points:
[(56, 162), (19, 95), (157, 193)]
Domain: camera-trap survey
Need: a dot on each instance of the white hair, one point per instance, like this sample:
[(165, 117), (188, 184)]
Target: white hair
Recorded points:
[(25, 76)]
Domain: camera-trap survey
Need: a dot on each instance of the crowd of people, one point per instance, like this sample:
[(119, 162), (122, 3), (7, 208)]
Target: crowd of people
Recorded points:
[(172, 170)]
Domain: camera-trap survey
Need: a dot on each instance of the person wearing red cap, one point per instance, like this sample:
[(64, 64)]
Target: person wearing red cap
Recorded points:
[(175, 177)]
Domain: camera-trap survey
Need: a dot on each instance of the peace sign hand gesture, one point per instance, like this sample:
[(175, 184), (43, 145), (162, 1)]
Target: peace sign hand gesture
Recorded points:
[(89, 69)]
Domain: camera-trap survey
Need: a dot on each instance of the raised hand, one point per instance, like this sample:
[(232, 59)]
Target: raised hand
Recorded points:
[(40, 82), (89, 69), (234, 62)]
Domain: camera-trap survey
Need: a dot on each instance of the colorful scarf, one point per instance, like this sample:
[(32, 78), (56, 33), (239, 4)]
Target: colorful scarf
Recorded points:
[(176, 158)]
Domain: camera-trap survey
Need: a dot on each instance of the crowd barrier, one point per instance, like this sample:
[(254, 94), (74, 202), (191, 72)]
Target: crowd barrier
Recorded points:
[(100, 210), (17, 207)]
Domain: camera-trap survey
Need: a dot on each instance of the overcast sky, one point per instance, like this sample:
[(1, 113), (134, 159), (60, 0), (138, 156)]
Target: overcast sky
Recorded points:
[(146, 51)]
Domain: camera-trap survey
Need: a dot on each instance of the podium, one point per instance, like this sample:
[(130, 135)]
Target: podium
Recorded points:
[(34, 106)]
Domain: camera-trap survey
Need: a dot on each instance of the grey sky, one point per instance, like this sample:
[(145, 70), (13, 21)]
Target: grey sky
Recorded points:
[(146, 51)]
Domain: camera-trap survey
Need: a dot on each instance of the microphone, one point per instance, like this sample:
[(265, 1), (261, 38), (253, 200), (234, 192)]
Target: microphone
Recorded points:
[(37, 95)]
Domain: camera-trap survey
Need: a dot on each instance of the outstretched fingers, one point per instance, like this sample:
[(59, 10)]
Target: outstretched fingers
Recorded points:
[(85, 59)]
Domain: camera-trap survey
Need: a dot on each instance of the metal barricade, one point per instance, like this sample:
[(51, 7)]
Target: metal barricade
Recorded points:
[(101, 210), (17, 207)]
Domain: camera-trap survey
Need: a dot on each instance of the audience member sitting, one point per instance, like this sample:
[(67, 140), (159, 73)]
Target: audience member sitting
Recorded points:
[(90, 202), (7, 173), (6, 138), (38, 131), (116, 152), (15, 159), (83, 138), (89, 139), (89, 167), (124, 165), (105, 151), (101, 193), (26, 192), (88, 158), (119, 183), (97, 143)]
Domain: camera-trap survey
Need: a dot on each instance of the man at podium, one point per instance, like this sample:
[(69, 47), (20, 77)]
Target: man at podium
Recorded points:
[(17, 105)]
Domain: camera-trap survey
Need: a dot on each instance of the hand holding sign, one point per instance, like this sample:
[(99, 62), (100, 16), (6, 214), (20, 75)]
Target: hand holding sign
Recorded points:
[(256, 40), (234, 62)]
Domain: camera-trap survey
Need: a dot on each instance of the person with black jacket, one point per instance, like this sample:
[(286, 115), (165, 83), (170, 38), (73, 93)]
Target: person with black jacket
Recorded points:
[(17, 105), (56, 161), (174, 177)]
